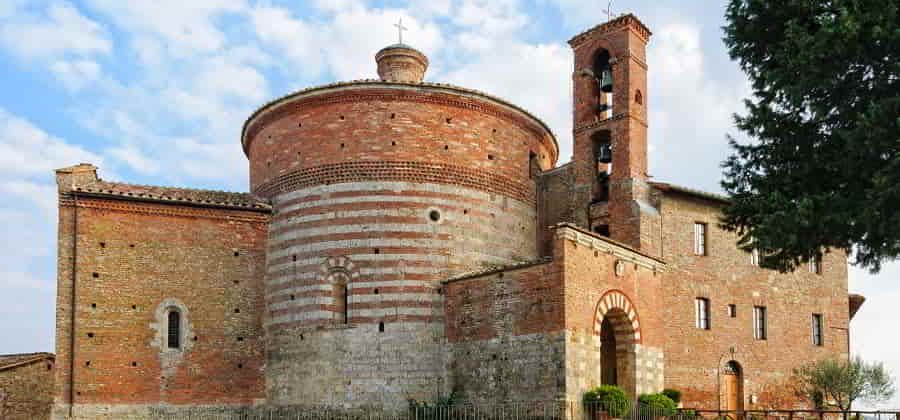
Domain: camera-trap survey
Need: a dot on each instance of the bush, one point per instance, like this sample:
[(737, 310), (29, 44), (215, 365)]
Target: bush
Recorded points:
[(657, 405), (610, 398), (673, 394)]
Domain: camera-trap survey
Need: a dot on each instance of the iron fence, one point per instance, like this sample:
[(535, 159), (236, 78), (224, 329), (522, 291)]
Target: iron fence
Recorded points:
[(553, 410)]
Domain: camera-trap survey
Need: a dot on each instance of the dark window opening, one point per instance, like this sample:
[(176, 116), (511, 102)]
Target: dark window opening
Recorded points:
[(434, 215), (602, 230), (102, 244), (381, 327), (732, 310), (293, 297), (534, 165), (237, 310), (817, 325), (602, 146), (95, 275), (490, 157), (174, 332), (375, 291), (133, 363), (90, 335)]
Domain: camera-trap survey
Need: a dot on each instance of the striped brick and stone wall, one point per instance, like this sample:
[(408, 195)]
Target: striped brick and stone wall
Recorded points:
[(384, 189)]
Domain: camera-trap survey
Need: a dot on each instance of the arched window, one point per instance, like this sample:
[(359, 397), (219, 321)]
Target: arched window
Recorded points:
[(340, 296), (603, 75), (174, 330)]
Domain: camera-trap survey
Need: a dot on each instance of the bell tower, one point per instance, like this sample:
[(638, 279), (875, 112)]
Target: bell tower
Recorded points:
[(610, 132)]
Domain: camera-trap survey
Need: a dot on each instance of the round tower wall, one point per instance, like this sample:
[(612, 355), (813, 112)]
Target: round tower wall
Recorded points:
[(383, 192)]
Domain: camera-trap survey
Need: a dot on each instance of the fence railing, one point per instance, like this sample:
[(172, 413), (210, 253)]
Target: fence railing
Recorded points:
[(553, 410)]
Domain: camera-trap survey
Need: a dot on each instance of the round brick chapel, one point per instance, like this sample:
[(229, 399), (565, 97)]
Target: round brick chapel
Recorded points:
[(381, 189)]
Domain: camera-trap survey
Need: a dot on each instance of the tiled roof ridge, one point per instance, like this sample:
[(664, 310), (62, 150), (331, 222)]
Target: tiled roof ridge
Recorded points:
[(667, 186), (618, 21), (498, 268), (175, 194), (353, 82), (19, 359)]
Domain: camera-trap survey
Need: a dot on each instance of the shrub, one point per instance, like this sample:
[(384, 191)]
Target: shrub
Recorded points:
[(610, 398), (657, 405), (673, 394)]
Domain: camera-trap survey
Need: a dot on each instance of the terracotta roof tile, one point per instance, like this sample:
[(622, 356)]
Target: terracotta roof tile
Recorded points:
[(9, 361), (175, 195)]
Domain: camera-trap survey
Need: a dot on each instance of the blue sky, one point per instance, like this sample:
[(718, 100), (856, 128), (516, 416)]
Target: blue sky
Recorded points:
[(156, 91)]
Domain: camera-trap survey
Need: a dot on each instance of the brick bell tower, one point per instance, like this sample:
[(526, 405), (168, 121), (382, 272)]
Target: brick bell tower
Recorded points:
[(610, 132)]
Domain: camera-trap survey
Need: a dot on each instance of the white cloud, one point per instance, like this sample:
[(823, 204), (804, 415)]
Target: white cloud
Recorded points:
[(75, 74), (690, 108), (135, 159), (61, 31), (186, 27), (26, 150)]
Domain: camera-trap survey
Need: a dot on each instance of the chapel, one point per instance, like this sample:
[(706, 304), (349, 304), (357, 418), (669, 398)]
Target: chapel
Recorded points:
[(410, 240)]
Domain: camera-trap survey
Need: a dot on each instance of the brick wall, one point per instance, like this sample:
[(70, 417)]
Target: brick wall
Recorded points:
[(26, 390), (505, 333), (131, 260), (695, 357)]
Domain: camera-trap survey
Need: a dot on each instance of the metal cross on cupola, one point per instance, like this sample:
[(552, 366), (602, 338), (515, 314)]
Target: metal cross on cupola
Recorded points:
[(400, 29)]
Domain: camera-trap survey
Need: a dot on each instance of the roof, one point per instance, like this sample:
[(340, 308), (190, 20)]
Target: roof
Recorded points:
[(369, 82), (11, 361), (498, 268), (666, 187), (856, 302), (619, 21), (206, 198)]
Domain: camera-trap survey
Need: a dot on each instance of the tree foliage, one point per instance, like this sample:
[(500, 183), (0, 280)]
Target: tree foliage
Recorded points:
[(840, 383), (822, 169)]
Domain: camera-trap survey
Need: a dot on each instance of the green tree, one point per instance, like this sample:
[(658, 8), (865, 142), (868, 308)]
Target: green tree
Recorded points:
[(822, 169), (840, 383)]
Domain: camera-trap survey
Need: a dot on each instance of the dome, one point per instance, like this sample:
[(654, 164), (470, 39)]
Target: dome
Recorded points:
[(401, 63)]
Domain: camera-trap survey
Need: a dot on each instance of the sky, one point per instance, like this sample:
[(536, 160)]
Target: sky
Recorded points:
[(155, 92)]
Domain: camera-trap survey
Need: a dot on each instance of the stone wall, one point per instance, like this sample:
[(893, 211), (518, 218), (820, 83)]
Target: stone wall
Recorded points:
[(122, 263), (695, 357), (505, 335), (26, 389)]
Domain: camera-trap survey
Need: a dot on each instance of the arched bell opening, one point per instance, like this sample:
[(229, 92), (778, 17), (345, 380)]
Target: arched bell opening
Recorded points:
[(603, 74), (602, 145)]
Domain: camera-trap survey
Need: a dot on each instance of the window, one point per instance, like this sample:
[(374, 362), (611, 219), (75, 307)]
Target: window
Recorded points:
[(817, 330), (174, 331), (699, 238), (754, 257), (815, 265), (701, 306), (759, 322), (732, 310)]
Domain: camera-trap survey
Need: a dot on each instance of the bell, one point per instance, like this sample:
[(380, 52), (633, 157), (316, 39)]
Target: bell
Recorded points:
[(604, 155), (606, 80)]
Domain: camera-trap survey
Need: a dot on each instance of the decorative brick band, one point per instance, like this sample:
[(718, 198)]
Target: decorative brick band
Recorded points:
[(407, 171), (626, 324)]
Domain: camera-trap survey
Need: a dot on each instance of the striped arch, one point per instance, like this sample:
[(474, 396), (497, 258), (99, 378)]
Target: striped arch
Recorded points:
[(333, 265), (623, 316)]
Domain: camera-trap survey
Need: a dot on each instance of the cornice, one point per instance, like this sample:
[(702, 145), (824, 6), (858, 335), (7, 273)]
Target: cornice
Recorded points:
[(423, 92), (163, 209), (629, 20), (600, 243)]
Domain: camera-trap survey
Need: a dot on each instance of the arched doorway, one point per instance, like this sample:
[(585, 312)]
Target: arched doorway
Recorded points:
[(618, 328), (733, 387)]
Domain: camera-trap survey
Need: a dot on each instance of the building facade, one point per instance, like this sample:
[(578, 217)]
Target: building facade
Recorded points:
[(405, 240)]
